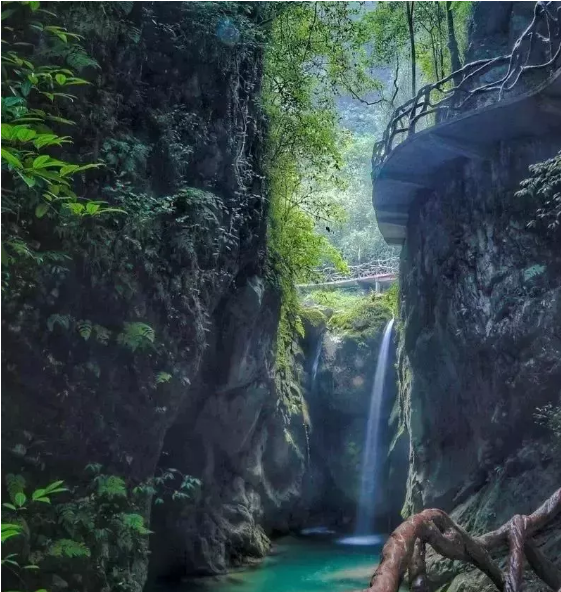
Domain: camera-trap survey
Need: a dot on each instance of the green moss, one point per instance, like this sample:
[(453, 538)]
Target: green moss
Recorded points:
[(365, 319), (357, 316), (313, 315)]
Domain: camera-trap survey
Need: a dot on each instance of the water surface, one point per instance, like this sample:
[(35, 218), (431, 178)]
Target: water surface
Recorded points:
[(307, 564)]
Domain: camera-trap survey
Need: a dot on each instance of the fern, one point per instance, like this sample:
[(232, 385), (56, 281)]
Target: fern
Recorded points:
[(102, 334), (58, 319), (134, 522), (94, 468), (67, 515), (162, 377), (68, 548), (111, 486), (84, 328), (136, 336)]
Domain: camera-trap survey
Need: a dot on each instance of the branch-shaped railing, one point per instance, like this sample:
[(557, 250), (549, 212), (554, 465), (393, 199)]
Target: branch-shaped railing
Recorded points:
[(535, 56), (370, 268), (405, 550)]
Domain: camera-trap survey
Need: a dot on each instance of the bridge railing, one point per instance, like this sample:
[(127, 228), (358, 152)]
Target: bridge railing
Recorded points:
[(366, 269), (535, 56)]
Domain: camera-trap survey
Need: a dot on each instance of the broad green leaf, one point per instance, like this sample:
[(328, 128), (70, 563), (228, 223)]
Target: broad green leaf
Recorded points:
[(92, 208), (25, 88), (55, 485), (61, 79), (20, 498), (44, 500), (10, 158), (41, 209), (29, 181), (7, 131), (9, 506), (25, 135), (68, 169), (41, 161), (12, 101), (37, 493), (75, 81), (10, 530)]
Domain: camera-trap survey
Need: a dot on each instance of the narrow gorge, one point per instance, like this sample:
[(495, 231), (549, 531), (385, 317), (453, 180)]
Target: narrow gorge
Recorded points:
[(239, 351)]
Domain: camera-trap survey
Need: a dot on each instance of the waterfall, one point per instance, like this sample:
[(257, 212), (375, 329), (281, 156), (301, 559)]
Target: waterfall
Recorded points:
[(370, 469), (315, 365)]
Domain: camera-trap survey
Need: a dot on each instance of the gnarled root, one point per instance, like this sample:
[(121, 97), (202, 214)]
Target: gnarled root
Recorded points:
[(405, 549)]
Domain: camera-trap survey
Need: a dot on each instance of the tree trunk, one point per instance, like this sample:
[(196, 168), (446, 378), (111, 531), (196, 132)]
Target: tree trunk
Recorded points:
[(453, 43), (410, 6)]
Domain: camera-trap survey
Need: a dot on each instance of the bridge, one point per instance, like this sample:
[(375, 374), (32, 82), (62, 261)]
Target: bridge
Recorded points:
[(465, 115), (376, 275)]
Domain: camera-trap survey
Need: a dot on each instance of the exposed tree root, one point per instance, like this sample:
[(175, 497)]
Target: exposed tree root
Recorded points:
[(405, 549)]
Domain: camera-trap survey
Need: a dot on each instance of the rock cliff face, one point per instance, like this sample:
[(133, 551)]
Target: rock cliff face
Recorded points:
[(173, 113), (481, 349), (232, 436)]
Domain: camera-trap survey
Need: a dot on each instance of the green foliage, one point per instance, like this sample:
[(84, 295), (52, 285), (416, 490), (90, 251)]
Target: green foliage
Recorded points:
[(316, 50), (27, 514), (391, 43), (37, 183), (163, 377), (99, 524), (10, 530), (360, 316), (84, 328), (136, 336), (110, 486), (550, 416), (357, 237), (313, 316), (68, 548), (542, 190)]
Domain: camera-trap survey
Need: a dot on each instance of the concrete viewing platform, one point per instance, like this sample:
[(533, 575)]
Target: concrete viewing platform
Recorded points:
[(501, 99)]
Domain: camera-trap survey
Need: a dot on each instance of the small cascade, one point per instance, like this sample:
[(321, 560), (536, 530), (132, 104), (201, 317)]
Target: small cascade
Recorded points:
[(307, 435), (370, 465), (313, 376), (315, 365)]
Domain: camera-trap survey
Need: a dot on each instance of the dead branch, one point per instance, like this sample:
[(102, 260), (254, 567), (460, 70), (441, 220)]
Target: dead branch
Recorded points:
[(405, 549)]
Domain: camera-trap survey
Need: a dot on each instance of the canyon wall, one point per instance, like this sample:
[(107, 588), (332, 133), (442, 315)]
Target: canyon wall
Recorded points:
[(479, 351), (152, 346), (480, 345)]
